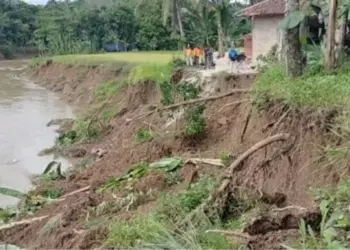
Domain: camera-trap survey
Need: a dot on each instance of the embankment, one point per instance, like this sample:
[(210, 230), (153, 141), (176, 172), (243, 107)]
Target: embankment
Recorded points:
[(233, 124)]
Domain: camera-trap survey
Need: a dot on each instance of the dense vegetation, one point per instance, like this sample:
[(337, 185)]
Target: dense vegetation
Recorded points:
[(82, 26)]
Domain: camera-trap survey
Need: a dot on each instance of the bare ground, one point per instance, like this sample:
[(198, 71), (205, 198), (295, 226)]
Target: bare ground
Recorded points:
[(289, 168)]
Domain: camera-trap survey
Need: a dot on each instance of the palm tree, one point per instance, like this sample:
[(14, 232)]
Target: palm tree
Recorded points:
[(221, 8), (201, 18), (170, 6)]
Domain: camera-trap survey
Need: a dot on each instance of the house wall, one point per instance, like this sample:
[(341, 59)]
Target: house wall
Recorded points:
[(265, 34)]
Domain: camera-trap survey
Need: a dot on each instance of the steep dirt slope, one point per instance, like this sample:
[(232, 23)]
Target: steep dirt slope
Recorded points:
[(233, 125)]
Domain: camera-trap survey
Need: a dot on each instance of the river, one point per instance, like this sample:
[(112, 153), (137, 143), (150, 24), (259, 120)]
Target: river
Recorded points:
[(25, 109)]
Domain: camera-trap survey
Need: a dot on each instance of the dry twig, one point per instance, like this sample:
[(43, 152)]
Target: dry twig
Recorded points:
[(193, 101)]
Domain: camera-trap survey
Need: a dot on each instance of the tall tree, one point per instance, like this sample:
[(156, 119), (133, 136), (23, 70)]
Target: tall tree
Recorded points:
[(223, 17), (330, 61), (292, 53)]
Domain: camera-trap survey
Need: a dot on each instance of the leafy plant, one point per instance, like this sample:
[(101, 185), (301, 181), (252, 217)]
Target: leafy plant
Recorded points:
[(226, 158), (167, 164), (53, 193), (12, 192), (167, 91), (134, 173), (131, 233), (173, 207), (292, 21), (143, 135), (188, 90), (53, 171), (195, 126)]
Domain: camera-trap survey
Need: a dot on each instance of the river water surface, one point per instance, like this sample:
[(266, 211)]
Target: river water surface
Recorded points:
[(25, 109)]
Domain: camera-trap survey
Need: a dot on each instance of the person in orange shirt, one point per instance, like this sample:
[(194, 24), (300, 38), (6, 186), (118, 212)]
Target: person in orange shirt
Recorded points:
[(189, 55), (197, 55)]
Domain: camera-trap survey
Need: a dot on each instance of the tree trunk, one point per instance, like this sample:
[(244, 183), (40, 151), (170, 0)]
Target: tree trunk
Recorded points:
[(330, 52), (293, 54), (221, 38), (343, 29), (179, 19)]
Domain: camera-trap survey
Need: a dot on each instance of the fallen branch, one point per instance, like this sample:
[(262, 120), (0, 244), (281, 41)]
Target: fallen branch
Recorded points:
[(229, 171), (280, 120), (246, 124), (76, 192), (287, 208), (193, 101), (196, 161), (234, 103), (22, 222), (230, 233)]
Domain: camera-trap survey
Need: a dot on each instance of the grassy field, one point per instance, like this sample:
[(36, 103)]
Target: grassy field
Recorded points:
[(161, 57)]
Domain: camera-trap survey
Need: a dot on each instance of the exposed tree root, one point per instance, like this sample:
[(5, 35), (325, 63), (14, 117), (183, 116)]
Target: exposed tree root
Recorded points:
[(283, 220), (23, 222), (193, 101), (214, 162), (246, 124), (231, 233), (229, 172), (234, 103)]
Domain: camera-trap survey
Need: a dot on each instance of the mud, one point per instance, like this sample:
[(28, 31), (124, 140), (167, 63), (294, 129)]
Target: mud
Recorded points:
[(285, 169)]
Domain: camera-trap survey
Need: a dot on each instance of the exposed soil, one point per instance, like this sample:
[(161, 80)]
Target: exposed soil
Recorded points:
[(286, 168)]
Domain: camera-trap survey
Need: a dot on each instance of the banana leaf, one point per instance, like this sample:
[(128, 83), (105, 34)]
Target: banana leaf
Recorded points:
[(167, 164), (12, 192)]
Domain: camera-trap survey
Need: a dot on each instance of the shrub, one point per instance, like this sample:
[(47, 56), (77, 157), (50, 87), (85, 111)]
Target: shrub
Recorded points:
[(131, 233), (143, 135), (195, 126)]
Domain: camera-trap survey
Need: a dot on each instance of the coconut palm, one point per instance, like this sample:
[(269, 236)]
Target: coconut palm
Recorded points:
[(170, 8), (201, 18), (223, 17)]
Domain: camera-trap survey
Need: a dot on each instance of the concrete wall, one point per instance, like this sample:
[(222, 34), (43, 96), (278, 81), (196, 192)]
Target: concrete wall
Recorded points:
[(265, 34)]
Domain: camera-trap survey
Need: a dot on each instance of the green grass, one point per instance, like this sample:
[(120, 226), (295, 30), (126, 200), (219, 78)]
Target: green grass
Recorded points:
[(319, 91), (160, 57)]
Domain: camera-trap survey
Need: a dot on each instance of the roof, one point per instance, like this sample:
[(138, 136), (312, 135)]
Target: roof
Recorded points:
[(265, 8)]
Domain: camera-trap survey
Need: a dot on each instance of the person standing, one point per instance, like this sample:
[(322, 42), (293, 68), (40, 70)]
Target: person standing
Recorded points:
[(232, 55), (189, 55)]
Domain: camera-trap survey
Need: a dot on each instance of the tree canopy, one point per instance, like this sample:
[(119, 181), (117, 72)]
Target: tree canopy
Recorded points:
[(85, 26)]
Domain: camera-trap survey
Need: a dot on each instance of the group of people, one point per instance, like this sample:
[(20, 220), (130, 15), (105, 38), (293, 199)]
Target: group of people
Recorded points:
[(196, 56)]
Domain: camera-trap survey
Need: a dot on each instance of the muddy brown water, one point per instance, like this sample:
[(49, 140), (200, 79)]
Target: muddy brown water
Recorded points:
[(25, 109)]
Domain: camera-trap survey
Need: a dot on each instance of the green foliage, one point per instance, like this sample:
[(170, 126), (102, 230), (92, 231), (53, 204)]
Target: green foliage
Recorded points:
[(106, 90), (335, 220), (143, 135), (53, 171), (226, 158), (166, 89), (188, 90), (292, 21), (167, 164), (269, 58), (53, 193), (83, 131), (7, 214), (319, 91), (158, 73), (130, 233), (195, 126), (134, 173), (11, 192), (178, 62), (108, 114), (173, 207)]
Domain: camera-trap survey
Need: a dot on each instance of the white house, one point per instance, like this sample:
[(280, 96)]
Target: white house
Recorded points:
[(265, 17)]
